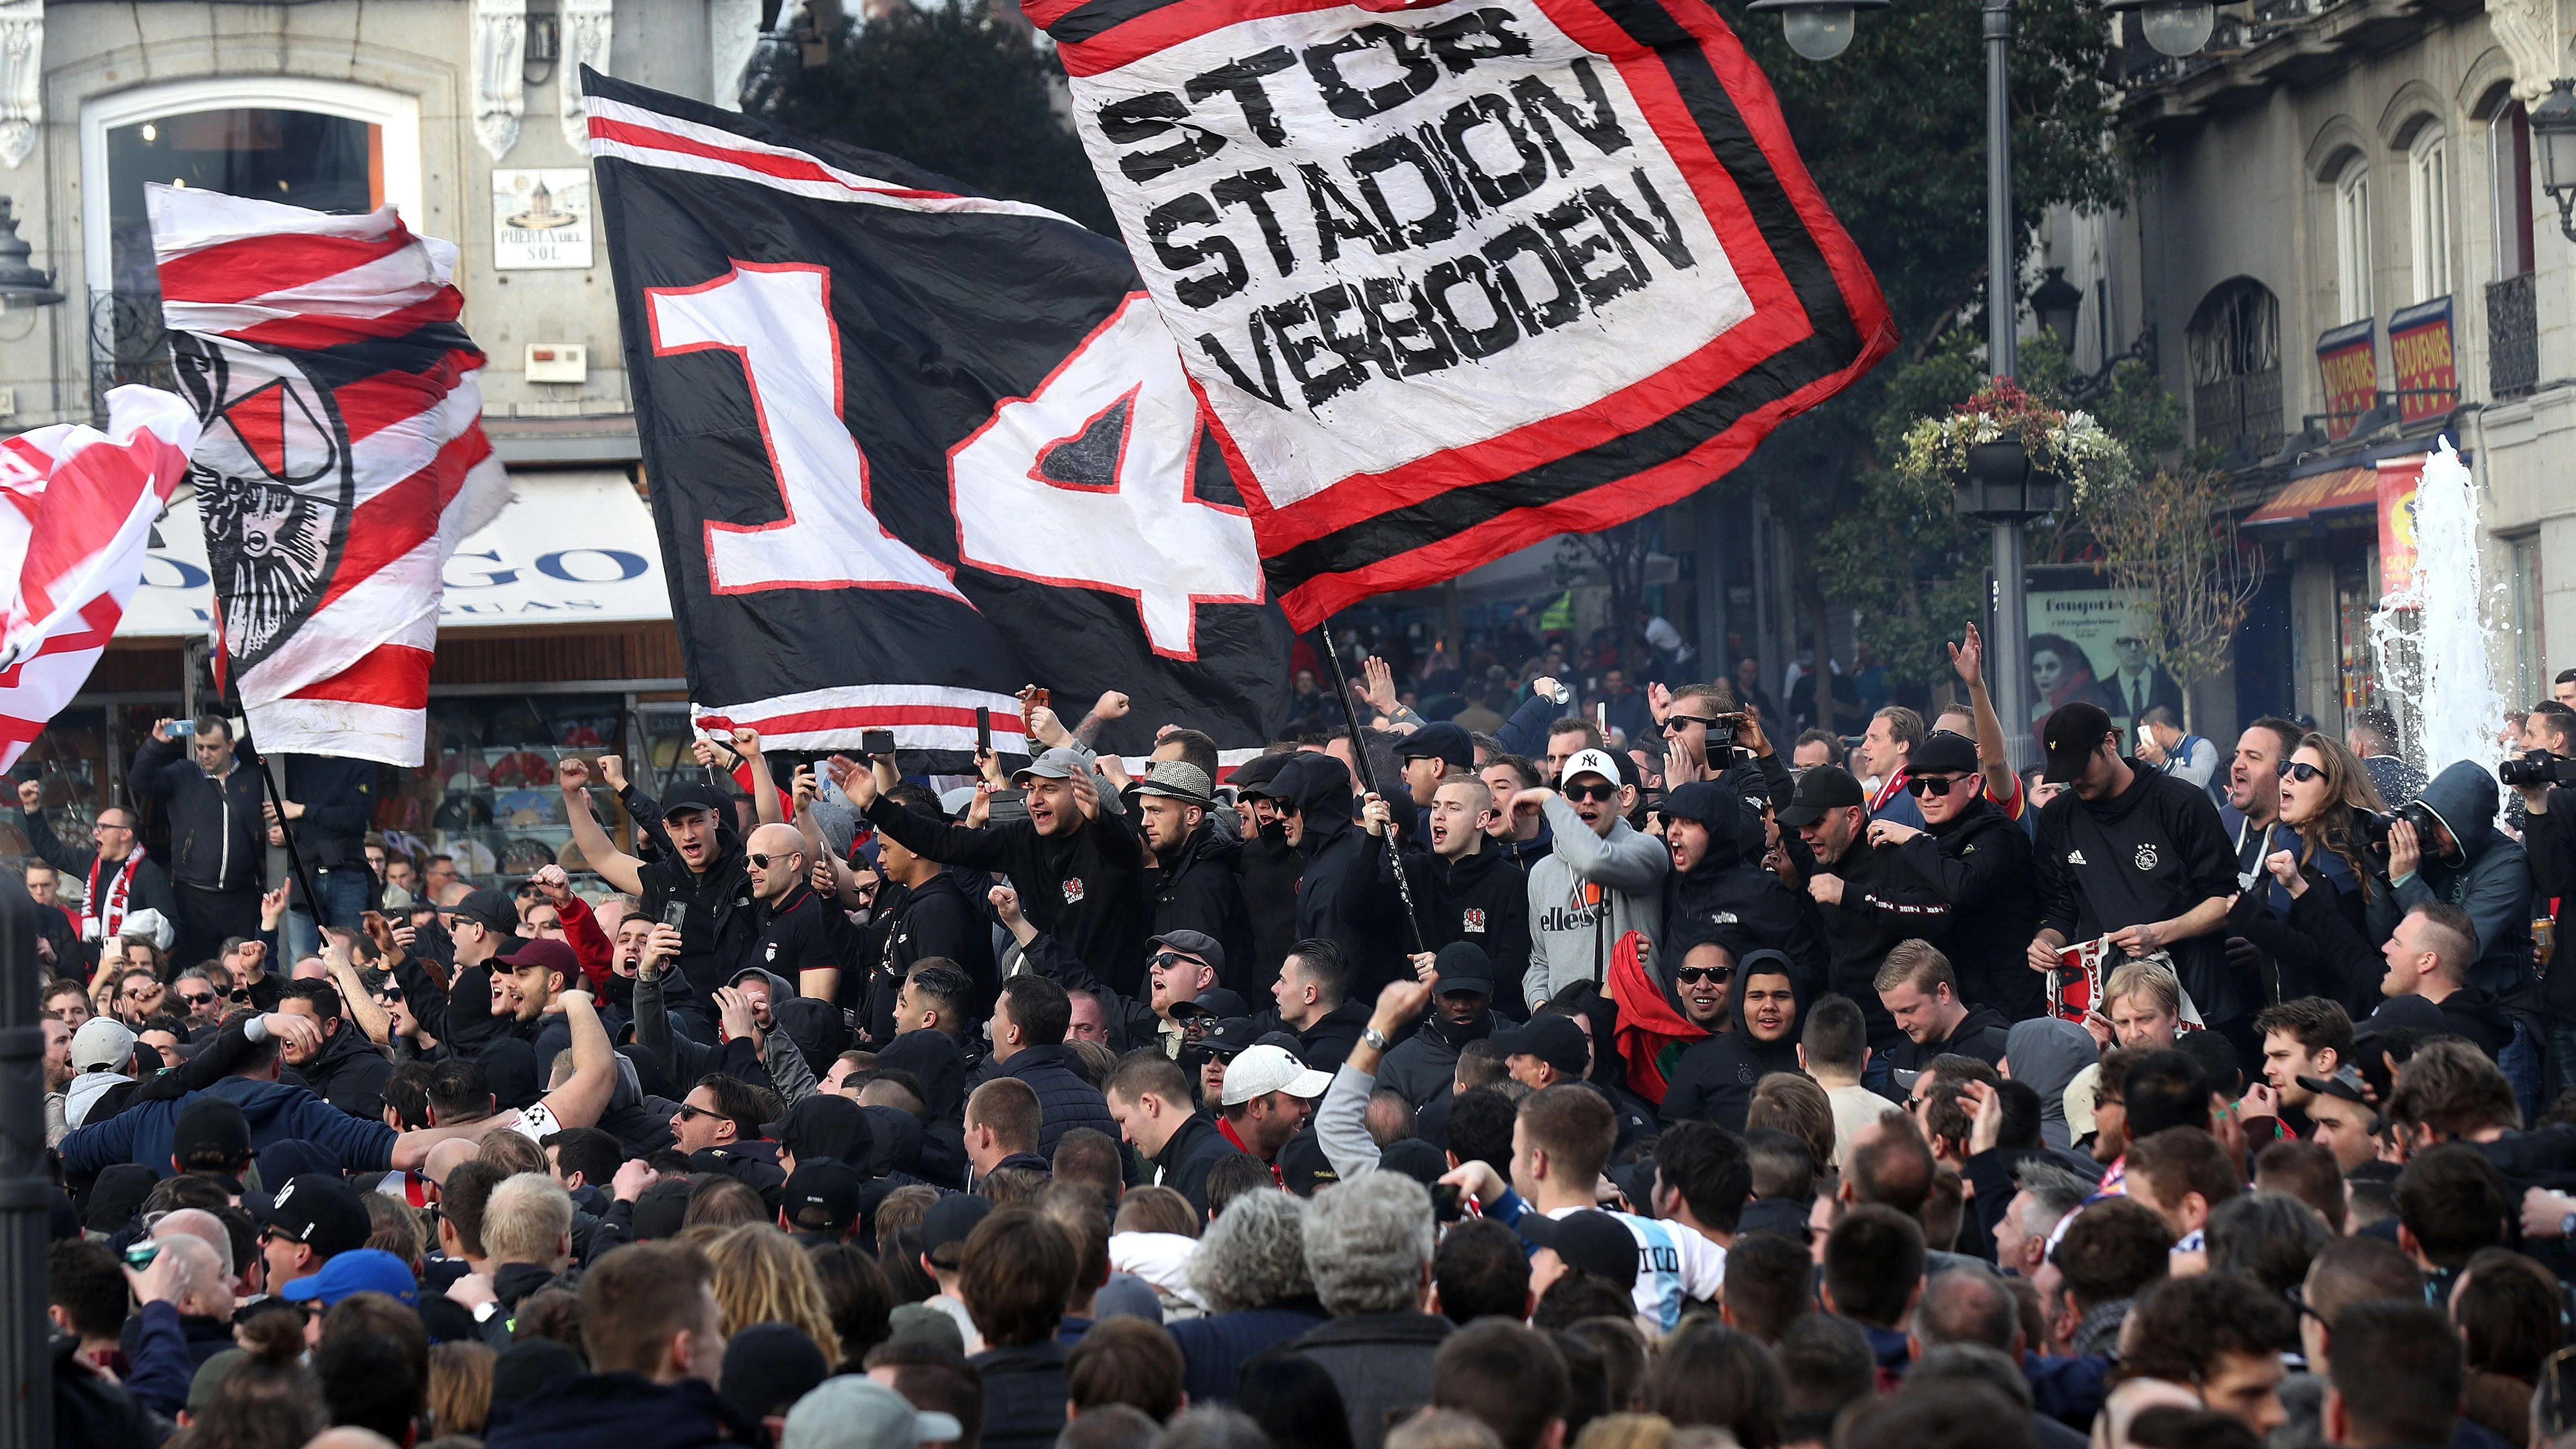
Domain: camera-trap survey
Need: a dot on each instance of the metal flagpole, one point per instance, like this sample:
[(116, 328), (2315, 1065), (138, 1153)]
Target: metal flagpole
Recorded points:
[(1368, 778)]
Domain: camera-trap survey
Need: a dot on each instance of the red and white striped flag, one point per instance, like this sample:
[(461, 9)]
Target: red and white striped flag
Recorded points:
[(343, 457), (76, 511)]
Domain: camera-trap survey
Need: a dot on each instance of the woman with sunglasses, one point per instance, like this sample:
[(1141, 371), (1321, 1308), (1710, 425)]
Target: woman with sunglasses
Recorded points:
[(2329, 944)]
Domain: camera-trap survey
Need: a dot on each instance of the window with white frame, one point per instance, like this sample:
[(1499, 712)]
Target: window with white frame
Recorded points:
[(2428, 191), (2352, 242)]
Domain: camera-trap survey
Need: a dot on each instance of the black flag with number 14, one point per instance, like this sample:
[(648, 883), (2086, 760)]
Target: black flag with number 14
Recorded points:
[(911, 448)]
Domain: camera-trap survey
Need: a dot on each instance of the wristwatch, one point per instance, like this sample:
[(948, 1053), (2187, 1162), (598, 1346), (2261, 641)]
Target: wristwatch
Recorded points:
[(1376, 1042)]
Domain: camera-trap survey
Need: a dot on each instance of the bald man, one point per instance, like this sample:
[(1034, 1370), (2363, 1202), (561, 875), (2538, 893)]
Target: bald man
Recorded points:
[(800, 939)]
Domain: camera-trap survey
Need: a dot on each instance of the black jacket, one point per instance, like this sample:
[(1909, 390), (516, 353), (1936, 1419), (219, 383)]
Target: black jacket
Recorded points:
[(1066, 1098), (1084, 888), (1183, 1164), (218, 838), (916, 923), (1198, 890), (2549, 852), (800, 932), (1883, 902), (1714, 1080), (2150, 853), (1327, 1044), (1024, 1395), (1978, 868), (1268, 868), (151, 889), (1980, 1034), (339, 800), (1482, 898), (621, 1411), (1131, 1022), (723, 921), (1728, 887), (350, 1074), (1321, 789)]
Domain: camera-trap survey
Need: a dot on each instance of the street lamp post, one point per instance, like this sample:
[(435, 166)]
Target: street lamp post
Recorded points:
[(1819, 30)]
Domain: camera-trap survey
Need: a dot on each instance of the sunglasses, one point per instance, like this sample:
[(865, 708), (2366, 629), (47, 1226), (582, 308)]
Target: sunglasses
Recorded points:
[(1166, 960), (1689, 975), (208, 999), (1922, 785), (1676, 723), (237, 994), (1604, 791), (691, 1114), (2299, 770), (390, 993), (761, 862)]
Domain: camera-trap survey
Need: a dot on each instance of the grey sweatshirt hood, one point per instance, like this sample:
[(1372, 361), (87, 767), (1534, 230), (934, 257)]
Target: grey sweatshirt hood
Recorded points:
[(2045, 1054)]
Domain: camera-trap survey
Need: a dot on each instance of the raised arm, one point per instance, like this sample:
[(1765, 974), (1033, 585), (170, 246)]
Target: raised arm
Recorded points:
[(764, 791), (372, 1019), (614, 866), (584, 1097), (1994, 747)]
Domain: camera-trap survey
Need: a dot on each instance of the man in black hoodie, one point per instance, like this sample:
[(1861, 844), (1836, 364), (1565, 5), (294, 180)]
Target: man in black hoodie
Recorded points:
[(344, 1068), (1920, 991), (1078, 869), (1463, 888), (1715, 885), (1714, 1080), (922, 913), (1310, 1002), (1193, 886), (1977, 864), (1313, 794), (705, 873), (1267, 867)]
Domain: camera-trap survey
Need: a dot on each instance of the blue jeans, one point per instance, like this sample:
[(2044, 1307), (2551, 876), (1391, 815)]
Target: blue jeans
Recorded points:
[(343, 895)]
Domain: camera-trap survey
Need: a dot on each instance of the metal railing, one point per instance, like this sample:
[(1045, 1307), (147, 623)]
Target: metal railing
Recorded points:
[(2241, 410), (2513, 337), (127, 343)]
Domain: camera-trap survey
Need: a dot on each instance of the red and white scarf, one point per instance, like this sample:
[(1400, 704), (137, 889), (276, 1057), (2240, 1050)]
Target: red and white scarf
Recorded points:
[(103, 910)]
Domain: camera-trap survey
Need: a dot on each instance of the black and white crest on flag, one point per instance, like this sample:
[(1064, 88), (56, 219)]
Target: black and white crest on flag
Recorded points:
[(1456, 277), (913, 448)]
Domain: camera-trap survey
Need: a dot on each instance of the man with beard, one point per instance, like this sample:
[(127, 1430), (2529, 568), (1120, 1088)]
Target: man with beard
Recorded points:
[(1869, 898), (1268, 867), (121, 878), (1714, 884), (705, 873), (1976, 863), (922, 913), (1078, 870), (1193, 886), (1462, 890), (1423, 1067), (801, 938), (1714, 1080), (343, 1068)]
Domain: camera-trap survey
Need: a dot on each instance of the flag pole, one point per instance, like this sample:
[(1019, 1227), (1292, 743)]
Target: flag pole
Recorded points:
[(286, 833), (1368, 779)]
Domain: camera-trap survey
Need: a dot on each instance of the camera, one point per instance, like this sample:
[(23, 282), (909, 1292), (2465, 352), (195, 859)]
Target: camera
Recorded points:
[(2540, 767), (1721, 734), (2373, 827)]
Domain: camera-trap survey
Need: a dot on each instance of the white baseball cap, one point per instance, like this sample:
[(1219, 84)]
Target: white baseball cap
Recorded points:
[(1591, 762), (1260, 1070)]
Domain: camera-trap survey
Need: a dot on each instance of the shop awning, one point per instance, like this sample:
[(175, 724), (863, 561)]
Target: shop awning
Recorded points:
[(572, 547), (2337, 491)]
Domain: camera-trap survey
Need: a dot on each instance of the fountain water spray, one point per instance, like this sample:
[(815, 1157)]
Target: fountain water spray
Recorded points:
[(2430, 634)]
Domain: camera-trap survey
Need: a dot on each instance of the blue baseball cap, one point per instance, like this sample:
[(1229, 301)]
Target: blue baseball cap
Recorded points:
[(361, 1270)]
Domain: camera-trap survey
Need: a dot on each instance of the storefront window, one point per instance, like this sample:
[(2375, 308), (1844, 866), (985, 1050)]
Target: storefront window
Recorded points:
[(489, 798), (2355, 602), (71, 760)]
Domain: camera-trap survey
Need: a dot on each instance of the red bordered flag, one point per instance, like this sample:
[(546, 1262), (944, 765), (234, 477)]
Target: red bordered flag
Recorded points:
[(343, 457), (76, 512), (1455, 278)]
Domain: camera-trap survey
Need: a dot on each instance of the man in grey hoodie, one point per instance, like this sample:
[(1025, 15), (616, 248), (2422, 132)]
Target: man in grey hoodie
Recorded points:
[(1604, 880)]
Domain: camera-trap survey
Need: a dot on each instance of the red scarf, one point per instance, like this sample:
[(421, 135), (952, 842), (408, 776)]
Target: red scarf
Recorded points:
[(1649, 1028), (102, 915), (1895, 786)]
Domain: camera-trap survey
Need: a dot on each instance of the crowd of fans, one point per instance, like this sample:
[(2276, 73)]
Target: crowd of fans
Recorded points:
[(1421, 1087)]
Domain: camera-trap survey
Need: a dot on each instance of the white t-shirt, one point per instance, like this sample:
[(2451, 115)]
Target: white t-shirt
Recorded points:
[(1673, 1263)]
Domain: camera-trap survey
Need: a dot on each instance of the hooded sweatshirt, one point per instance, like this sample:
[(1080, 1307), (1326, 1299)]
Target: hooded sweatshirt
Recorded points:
[(1714, 1080), (1728, 890), (1978, 866), (84, 1092), (1481, 898), (2490, 880), (351, 1072), (1979, 1034), (1083, 886), (2046, 1054), (1198, 890), (1592, 890), (1320, 787), (276, 1113)]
